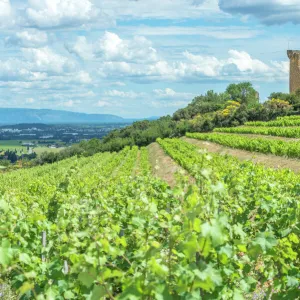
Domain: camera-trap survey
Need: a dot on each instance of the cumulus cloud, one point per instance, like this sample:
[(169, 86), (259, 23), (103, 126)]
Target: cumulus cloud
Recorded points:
[(61, 13), (28, 39), (45, 60), (12, 70), (238, 66), (268, 11), (7, 17), (81, 48), (5, 9), (82, 77), (111, 47), (42, 69)]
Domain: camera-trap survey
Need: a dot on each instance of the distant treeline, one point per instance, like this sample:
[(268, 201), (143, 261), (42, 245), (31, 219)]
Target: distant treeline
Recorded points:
[(237, 105)]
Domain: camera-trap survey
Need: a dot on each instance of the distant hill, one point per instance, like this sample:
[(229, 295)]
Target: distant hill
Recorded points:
[(48, 116)]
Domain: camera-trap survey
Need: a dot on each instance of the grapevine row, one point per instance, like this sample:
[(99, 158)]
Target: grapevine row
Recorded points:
[(92, 230), (257, 203), (289, 132), (276, 123), (269, 146)]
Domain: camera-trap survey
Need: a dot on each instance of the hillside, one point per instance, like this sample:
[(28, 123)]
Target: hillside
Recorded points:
[(96, 227), (237, 105), (48, 116), (197, 217)]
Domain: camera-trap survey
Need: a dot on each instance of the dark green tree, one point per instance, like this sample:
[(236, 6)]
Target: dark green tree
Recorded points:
[(243, 92)]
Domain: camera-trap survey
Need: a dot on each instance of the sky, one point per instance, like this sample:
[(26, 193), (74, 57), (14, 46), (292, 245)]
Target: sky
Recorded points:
[(141, 58)]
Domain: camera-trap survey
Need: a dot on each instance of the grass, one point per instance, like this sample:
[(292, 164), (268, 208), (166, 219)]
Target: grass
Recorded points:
[(40, 150), (16, 145)]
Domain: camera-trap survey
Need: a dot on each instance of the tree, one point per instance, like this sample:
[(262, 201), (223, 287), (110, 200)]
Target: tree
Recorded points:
[(243, 92), (293, 99)]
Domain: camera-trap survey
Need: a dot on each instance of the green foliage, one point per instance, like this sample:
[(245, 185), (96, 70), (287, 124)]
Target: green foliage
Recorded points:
[(253, 144), (243, 92), (279, 122), (234, 107), (89, 229), (209, 102), (293, 99), (290, 132), (249, 216)]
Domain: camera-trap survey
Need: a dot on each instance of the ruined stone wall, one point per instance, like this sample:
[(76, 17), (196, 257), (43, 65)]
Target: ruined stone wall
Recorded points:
[(294, 56)]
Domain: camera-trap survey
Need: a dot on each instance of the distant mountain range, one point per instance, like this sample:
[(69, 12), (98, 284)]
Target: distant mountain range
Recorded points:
[(48, 116)]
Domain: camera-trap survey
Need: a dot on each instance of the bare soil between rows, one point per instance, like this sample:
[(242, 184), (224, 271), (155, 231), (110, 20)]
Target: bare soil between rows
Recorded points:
[(163, 166)]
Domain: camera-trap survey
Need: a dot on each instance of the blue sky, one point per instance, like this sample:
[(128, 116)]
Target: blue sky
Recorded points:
[(140, 58)]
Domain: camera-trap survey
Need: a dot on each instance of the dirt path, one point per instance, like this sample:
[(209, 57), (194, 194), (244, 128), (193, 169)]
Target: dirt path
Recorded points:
[(271, 161), (163, 166), (136, 170), (282, 138)]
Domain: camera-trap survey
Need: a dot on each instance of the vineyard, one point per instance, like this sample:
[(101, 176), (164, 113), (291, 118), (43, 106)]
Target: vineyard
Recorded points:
[(279, 122), (289, 132), (103, 227), (253, 144)]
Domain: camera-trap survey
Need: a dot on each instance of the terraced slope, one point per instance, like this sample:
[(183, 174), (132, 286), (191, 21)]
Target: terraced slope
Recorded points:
[(254, 144), (268, 160), (288, 132)]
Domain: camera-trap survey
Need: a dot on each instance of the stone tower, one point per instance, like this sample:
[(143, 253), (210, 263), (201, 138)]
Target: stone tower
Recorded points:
[(294, 56)]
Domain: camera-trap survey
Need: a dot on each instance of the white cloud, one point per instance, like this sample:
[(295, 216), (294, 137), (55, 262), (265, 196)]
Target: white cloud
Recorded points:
[(61, 13), (217, 32), (42, 69), (28, 38), (268, 11), (69, 103), (5, 9), (165, 104), (122, 94), (13, 70), (206, 65), (161, 9), (171, 94), (244, 62), (118, 83), (284, 66), (45, 60), (81, 48), (238, 66), (89, 94), (103, 103), (112, 48), (83, 77), (7, 16)]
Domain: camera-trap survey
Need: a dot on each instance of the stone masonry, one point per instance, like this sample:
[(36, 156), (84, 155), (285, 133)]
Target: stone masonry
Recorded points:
[(294, 56)]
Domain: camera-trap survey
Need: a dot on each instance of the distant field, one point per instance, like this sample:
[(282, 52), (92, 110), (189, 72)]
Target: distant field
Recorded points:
[(11, 145), (16, 145), (40, 150)]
